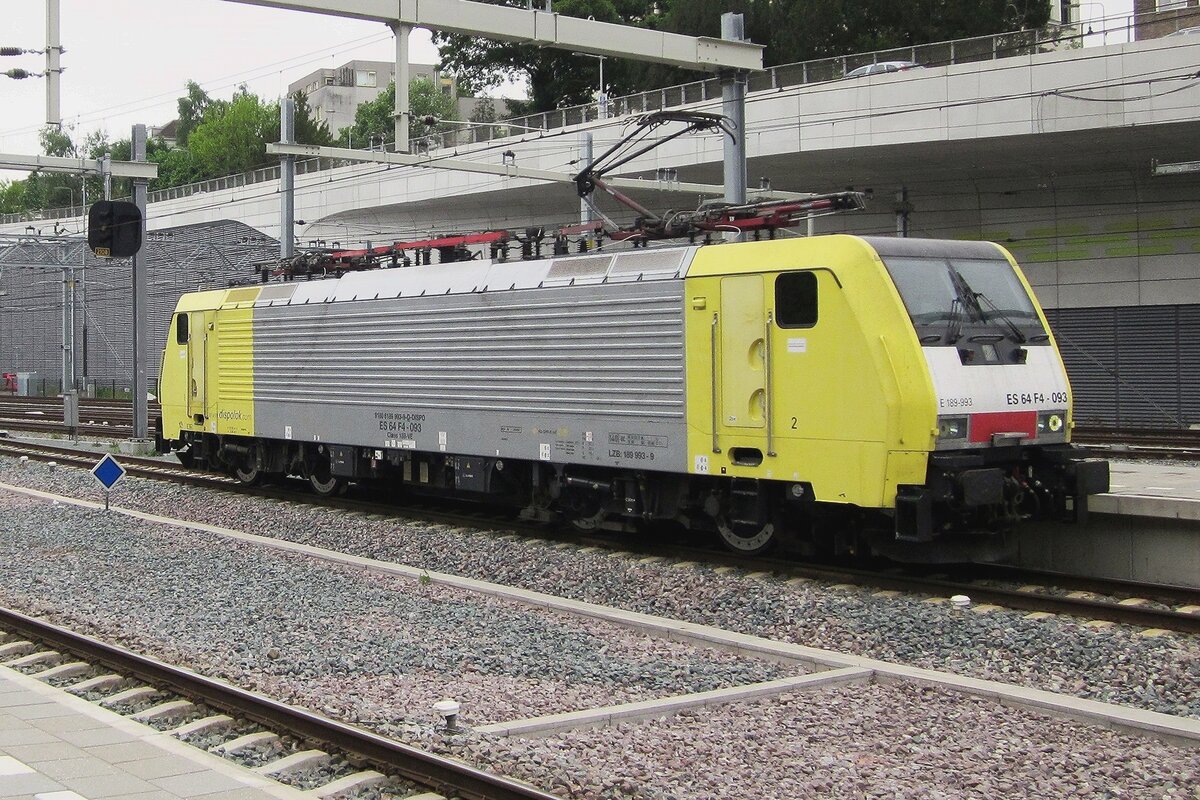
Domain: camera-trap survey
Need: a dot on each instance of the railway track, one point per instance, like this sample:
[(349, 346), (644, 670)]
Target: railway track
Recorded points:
[(1148, 606), (1179, 445), (428, 772), (137, 466), (105, 419)]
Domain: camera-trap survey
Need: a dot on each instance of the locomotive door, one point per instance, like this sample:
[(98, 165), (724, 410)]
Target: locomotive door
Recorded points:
[(196, 345), (743, 323)]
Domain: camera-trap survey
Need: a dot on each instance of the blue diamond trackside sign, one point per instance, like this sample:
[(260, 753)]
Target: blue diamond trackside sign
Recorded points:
[(108, 472)]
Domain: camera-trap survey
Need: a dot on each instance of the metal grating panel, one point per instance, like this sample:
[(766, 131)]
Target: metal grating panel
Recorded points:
[(235, 359), (178, 260), (578, 267), (1132, 367), (666, 261), (612, 350)]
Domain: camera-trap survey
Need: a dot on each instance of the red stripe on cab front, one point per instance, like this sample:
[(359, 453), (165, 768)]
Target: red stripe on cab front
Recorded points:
[(984, 425)]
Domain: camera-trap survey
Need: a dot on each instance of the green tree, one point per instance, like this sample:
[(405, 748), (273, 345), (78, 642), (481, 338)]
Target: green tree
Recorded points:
[(800, 31), (192, 108), (215, 138), (374, 121), (51, 189), (175, 167), (12, 197), (232, 136), (56, 142), (308, 129), (484, 111)]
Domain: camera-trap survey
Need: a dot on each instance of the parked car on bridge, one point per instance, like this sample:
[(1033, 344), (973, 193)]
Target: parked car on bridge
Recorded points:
[(882, 67)]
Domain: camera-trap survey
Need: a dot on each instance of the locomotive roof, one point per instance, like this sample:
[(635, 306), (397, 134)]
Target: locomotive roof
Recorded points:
[(473, 277), (645, 264)]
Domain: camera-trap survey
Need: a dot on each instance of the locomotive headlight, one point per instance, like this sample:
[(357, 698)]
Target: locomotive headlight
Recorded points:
[(952, 427), (1051, 422)]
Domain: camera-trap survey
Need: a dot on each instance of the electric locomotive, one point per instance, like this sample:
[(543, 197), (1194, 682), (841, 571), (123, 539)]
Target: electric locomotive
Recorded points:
[(834, 393)]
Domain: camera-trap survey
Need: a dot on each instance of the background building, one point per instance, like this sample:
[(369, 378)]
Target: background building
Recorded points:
[(335, 94), (1156, 18)]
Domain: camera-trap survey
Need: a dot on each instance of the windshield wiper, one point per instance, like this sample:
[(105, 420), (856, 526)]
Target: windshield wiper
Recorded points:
[(954, 324), (973, 297), (1012, 326)]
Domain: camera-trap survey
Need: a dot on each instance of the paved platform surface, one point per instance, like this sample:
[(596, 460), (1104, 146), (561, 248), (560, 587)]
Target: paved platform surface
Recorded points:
[(1181, 480), (1141, 489), (54, 746)]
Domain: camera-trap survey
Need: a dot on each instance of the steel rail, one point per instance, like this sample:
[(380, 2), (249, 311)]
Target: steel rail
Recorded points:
[(154, 469), (885, 579), (1094, 609), (1181, 444), (44, 425), (428, 769)]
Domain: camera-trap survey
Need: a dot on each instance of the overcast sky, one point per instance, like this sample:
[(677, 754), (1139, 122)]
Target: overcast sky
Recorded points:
[(127, 61)]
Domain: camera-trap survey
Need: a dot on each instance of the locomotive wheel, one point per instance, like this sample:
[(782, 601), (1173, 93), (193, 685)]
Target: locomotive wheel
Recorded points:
[(748, 540), (186, 457), (248, 473), (321, 477), (589, 523), (247, 470)]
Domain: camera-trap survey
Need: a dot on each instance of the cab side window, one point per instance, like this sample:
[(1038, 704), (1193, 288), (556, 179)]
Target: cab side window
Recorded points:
[(796, 299), (181, 328)]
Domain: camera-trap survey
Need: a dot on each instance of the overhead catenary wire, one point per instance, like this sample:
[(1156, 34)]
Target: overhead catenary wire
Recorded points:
[(211, 85), (1154, 75)]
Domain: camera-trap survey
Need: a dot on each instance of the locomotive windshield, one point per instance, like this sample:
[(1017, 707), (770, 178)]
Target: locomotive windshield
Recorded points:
[(947, 296)]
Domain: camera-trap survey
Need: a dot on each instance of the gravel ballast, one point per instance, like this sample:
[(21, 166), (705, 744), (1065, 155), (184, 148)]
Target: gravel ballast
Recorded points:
[(1114, 664), (351, 644), (873, 741), (302, 660)]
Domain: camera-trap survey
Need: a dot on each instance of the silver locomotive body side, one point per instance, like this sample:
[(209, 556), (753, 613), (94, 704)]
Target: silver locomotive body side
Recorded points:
[(588, 369)]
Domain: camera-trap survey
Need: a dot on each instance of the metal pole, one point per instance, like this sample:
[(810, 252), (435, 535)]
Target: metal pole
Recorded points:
[(602, 98), (53, 64), (83, 293), (106, 171), (140, 422), (402, 113), (585, 158), (287, 179), (68, 368), (733, 106), (903, 209), (69, 395)]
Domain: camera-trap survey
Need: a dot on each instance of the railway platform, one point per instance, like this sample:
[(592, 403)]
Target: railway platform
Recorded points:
[(1144, 529), (1176, 485), (55, 746)]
